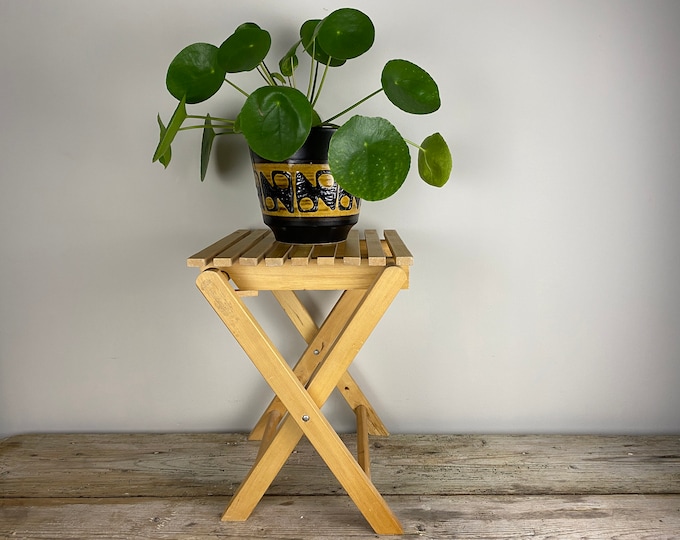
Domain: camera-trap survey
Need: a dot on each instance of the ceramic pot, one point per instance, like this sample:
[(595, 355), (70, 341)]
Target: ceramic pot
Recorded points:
[(300, 200)]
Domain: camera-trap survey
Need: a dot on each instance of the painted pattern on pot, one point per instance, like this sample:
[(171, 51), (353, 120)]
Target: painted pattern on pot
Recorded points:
[(302, 190)]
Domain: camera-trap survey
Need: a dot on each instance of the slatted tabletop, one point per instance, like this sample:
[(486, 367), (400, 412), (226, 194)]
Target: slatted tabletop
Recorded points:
[(254, 247)]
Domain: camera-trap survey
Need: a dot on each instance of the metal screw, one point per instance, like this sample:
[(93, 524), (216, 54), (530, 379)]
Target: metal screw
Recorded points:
[(316, 351), (305, 418)]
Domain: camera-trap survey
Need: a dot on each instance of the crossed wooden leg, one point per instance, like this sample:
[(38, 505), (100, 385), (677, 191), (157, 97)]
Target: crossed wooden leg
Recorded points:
[(360, 315), (320, 342)]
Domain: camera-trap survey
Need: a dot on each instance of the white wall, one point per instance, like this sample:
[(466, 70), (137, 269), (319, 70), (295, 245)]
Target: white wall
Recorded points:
[(545, 295)]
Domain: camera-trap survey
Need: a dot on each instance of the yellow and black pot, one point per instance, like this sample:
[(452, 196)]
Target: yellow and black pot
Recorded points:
[(300, 200)]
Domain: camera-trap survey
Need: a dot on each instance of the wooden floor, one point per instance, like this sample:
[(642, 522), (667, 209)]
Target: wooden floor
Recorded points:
[(133, 486)]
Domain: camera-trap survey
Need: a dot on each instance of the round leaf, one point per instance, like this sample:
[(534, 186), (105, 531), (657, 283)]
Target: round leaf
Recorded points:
[(276, 121), (369, 158), (311, 44), (195, 73), (316, 119), (410, 87), (434, 160), (346, 33), (245, 48), (247, 25)]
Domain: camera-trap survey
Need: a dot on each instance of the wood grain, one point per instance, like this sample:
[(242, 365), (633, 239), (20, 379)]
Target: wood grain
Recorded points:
[(198, 464), (86, 486), (635, 517)]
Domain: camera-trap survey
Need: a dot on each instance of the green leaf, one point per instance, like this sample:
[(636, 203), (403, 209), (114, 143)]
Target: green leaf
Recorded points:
[(276, 121), (247, 25), (244, 49), (316, 119), (346, 33), (195, 73), (175, 123), (410, 87), (289, 62), (308, 33), (434, 160), (369, 158), (165, 158), (206, 145)]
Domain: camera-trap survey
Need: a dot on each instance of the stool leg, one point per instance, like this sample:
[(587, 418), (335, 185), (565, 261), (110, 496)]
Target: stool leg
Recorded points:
[(347, 386), (363, 456), (303, 405), (273, 420), (319, 341)]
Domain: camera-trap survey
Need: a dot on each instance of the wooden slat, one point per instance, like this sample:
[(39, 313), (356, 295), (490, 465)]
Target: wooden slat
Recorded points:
[(402, 255), (228, 256), (205, 256), (299, 255), (246, 294), (340, 251), (325, 254), (278, 254), (352, 249), (376, 254), (596, 517), (255, 254), (245, 246)]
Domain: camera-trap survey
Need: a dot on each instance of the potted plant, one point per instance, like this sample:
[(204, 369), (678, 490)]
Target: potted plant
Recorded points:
[(311, 172)]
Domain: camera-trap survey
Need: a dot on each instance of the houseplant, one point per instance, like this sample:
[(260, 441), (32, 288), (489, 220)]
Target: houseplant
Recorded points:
[(367, 158)]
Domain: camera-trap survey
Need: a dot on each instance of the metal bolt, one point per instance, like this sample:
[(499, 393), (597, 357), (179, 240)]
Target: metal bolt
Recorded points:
[(316, 351), (305, 418)]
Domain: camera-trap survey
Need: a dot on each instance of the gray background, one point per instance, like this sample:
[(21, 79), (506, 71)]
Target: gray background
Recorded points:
[(545, 295)]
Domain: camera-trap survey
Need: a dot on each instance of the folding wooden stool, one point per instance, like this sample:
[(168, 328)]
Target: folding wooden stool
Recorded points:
[(371, 272)]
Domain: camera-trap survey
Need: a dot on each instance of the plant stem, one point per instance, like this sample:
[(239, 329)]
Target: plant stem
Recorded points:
[(266, 74), (413, 144), (259, 70), (316, 76), (323, 78), (311, 71), (199, 117), (237, 88), (203, 126), (369, 96)]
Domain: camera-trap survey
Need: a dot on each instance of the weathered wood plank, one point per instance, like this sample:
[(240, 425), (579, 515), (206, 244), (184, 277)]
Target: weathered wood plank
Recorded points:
[(284, 517), (199, 464)]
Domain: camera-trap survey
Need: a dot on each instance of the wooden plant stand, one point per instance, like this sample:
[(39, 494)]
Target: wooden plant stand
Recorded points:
[(370, 272)]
